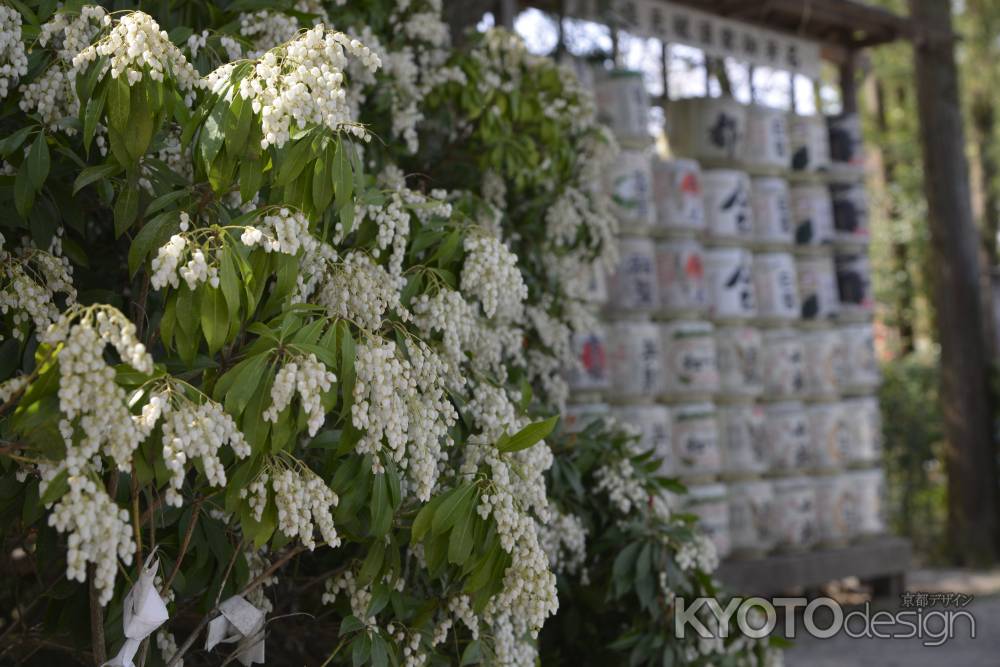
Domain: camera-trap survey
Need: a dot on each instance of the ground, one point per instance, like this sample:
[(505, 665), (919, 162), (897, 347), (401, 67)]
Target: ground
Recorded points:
[(983, 651)]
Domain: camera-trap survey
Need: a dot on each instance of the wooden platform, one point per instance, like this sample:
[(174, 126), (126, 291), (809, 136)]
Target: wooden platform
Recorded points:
[(882, 561)]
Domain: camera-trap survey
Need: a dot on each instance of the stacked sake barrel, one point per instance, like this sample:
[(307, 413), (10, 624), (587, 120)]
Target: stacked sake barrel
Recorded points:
[(789, 299), (737, 337)]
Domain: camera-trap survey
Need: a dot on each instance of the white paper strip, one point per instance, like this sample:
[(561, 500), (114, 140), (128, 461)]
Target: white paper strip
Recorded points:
[(715, 35), (239, 621), (144, 611)]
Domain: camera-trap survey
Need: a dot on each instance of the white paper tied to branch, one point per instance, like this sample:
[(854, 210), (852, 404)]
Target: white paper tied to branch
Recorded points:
[(144, 612), (239, 621)]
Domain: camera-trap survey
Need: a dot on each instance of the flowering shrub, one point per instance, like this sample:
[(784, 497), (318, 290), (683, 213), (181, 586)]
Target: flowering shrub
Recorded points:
[(284, 309)]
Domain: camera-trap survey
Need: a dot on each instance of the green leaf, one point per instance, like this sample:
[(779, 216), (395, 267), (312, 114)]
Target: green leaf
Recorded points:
[(350, 624), (211, 136), (473, 653), (11, 143), (230, 282), (342, 174), (460, 542), (163, 201), (361, 649), (528, 436), (242, 380), (422, 522), (453, 507), (381, 509), (322, 184), (24, 193), (153, 234), (119, 104), (380, 652), (95, 173), (57, 487), (38, 161), (372, 563), (92, 116), (214, 317), (126, 208), (140, 123)]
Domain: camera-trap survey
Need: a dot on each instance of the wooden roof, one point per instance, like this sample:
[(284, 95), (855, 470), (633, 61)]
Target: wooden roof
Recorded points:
[(840, 26), (842, 23)]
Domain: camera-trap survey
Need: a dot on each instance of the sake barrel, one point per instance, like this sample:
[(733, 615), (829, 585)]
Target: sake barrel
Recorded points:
[(653, 425), (850, 213), (810, 143), (817, 285), (708, 503), (636, 360), (837, 508), (854, 281), (729, 275), (695, 433), (825, 362), (846, 144), (751, 518), (767, 142), (742, 438), (870, 485), (680, 271), (796, 520), (740, 353), (623, 104), (830, 433), (690, 368), (783, 363), (633, 286), (862, 370), (812, 214), (590, 373), (578, 416), (728, 212), (677, 195), (772, 211), (776, 286), (865, 431), (708, 128), (594, 285), (786, 426), (629, 184)]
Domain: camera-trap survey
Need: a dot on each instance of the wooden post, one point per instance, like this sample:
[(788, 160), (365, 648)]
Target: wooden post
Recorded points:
[(508, 12), (849, 84), (965, 386)]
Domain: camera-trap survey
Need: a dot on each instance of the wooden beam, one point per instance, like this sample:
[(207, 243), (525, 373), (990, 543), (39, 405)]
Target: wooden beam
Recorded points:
[(965, 365)]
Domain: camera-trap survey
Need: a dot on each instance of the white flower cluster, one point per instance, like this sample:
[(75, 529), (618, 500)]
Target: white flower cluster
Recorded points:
[(360, 597), (309, 377), (136, 47), (99, 533), (31, 281), (564, 540), (195, 271), (492, 275), (302, 499), (167, 646), (618, 480), (266, 30), (52, 95), (301, 83), (282, 230), (257, 564), (89, 398), (13, 60), (698, 553), (359, 290), (192, 430), (516, 489)]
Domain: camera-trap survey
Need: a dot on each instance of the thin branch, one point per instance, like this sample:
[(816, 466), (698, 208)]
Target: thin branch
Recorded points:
[(184, 545), (96, 621)]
